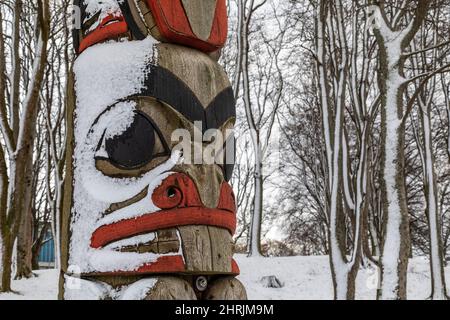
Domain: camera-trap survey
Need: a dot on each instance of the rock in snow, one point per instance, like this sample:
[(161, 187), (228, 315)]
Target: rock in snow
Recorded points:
[(271, 282)]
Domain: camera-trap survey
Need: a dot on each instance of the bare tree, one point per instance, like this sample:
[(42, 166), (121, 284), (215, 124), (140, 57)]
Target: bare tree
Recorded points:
[(422, 61), (395, 29), (330, 25), (18, 133), (261, 96)]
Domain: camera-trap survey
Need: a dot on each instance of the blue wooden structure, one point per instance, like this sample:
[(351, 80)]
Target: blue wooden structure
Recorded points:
[(47, 253)]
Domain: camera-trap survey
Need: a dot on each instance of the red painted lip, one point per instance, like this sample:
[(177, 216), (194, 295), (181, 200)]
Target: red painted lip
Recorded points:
[(163, 220), (164, 265), (110, 27)]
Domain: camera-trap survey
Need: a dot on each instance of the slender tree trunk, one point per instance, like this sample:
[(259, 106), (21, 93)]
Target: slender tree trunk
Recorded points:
[(35, 257), (396, 243), (16, 70), (5, 247), (24, 247), (256, 224), (6, 251), (21, 159), (254, 249), (25, 234), (332, 91), (395, 246), (438, 289)]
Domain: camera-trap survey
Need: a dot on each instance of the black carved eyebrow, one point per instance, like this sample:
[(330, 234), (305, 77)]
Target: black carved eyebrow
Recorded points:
[(126, 12), (164, 86)]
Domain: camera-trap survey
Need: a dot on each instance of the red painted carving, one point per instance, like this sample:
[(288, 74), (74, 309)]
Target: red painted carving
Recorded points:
[(113, 26), (163, 220), (180, 202), (172, 22), (234, 267), (164, 265), (226, 200)]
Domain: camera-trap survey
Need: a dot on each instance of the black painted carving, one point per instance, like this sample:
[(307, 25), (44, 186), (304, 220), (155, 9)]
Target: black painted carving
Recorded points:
[(134, 147)]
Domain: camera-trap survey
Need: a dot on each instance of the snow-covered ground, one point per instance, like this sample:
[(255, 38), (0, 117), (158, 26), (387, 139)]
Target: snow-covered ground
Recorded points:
[(309, 278), (42, 287), (304, 278)]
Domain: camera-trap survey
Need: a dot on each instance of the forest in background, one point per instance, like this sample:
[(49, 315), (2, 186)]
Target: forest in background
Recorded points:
[(343, 132)]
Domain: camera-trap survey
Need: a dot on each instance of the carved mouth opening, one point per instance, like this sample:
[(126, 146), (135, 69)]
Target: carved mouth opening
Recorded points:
[(107, 23), (160, 242)]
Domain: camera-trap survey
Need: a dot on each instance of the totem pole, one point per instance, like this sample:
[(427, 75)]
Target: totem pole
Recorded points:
[(141, 218)]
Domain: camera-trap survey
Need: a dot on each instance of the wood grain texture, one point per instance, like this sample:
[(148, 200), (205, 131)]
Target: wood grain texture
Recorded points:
[(227, 288), (208, 180), (168, 241), (200, 14), (221, 249), (148, 19), (200, 24), (196, 248), (171, 288), (199, 72)]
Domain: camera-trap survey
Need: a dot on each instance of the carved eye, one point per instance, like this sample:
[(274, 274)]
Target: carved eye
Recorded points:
[(135, 146)]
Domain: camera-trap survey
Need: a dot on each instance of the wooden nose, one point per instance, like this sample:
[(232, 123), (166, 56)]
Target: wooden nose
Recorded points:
[(200, 14)]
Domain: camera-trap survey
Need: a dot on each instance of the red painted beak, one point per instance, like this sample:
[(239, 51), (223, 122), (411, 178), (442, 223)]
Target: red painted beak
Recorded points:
[(180, 205)]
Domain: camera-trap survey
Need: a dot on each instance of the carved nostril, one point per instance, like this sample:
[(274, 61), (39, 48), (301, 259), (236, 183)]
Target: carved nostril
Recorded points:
[(167, 197), (171, 192), (176, 191)]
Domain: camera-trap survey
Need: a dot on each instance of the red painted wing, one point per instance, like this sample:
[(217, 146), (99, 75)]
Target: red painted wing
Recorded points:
[(173, 23)]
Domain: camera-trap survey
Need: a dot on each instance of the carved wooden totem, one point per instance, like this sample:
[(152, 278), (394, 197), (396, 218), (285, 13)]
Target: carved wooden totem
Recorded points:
[(140, 221)]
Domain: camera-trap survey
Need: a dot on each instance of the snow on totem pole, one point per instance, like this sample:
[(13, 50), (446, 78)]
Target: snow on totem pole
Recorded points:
[(141, 218)]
